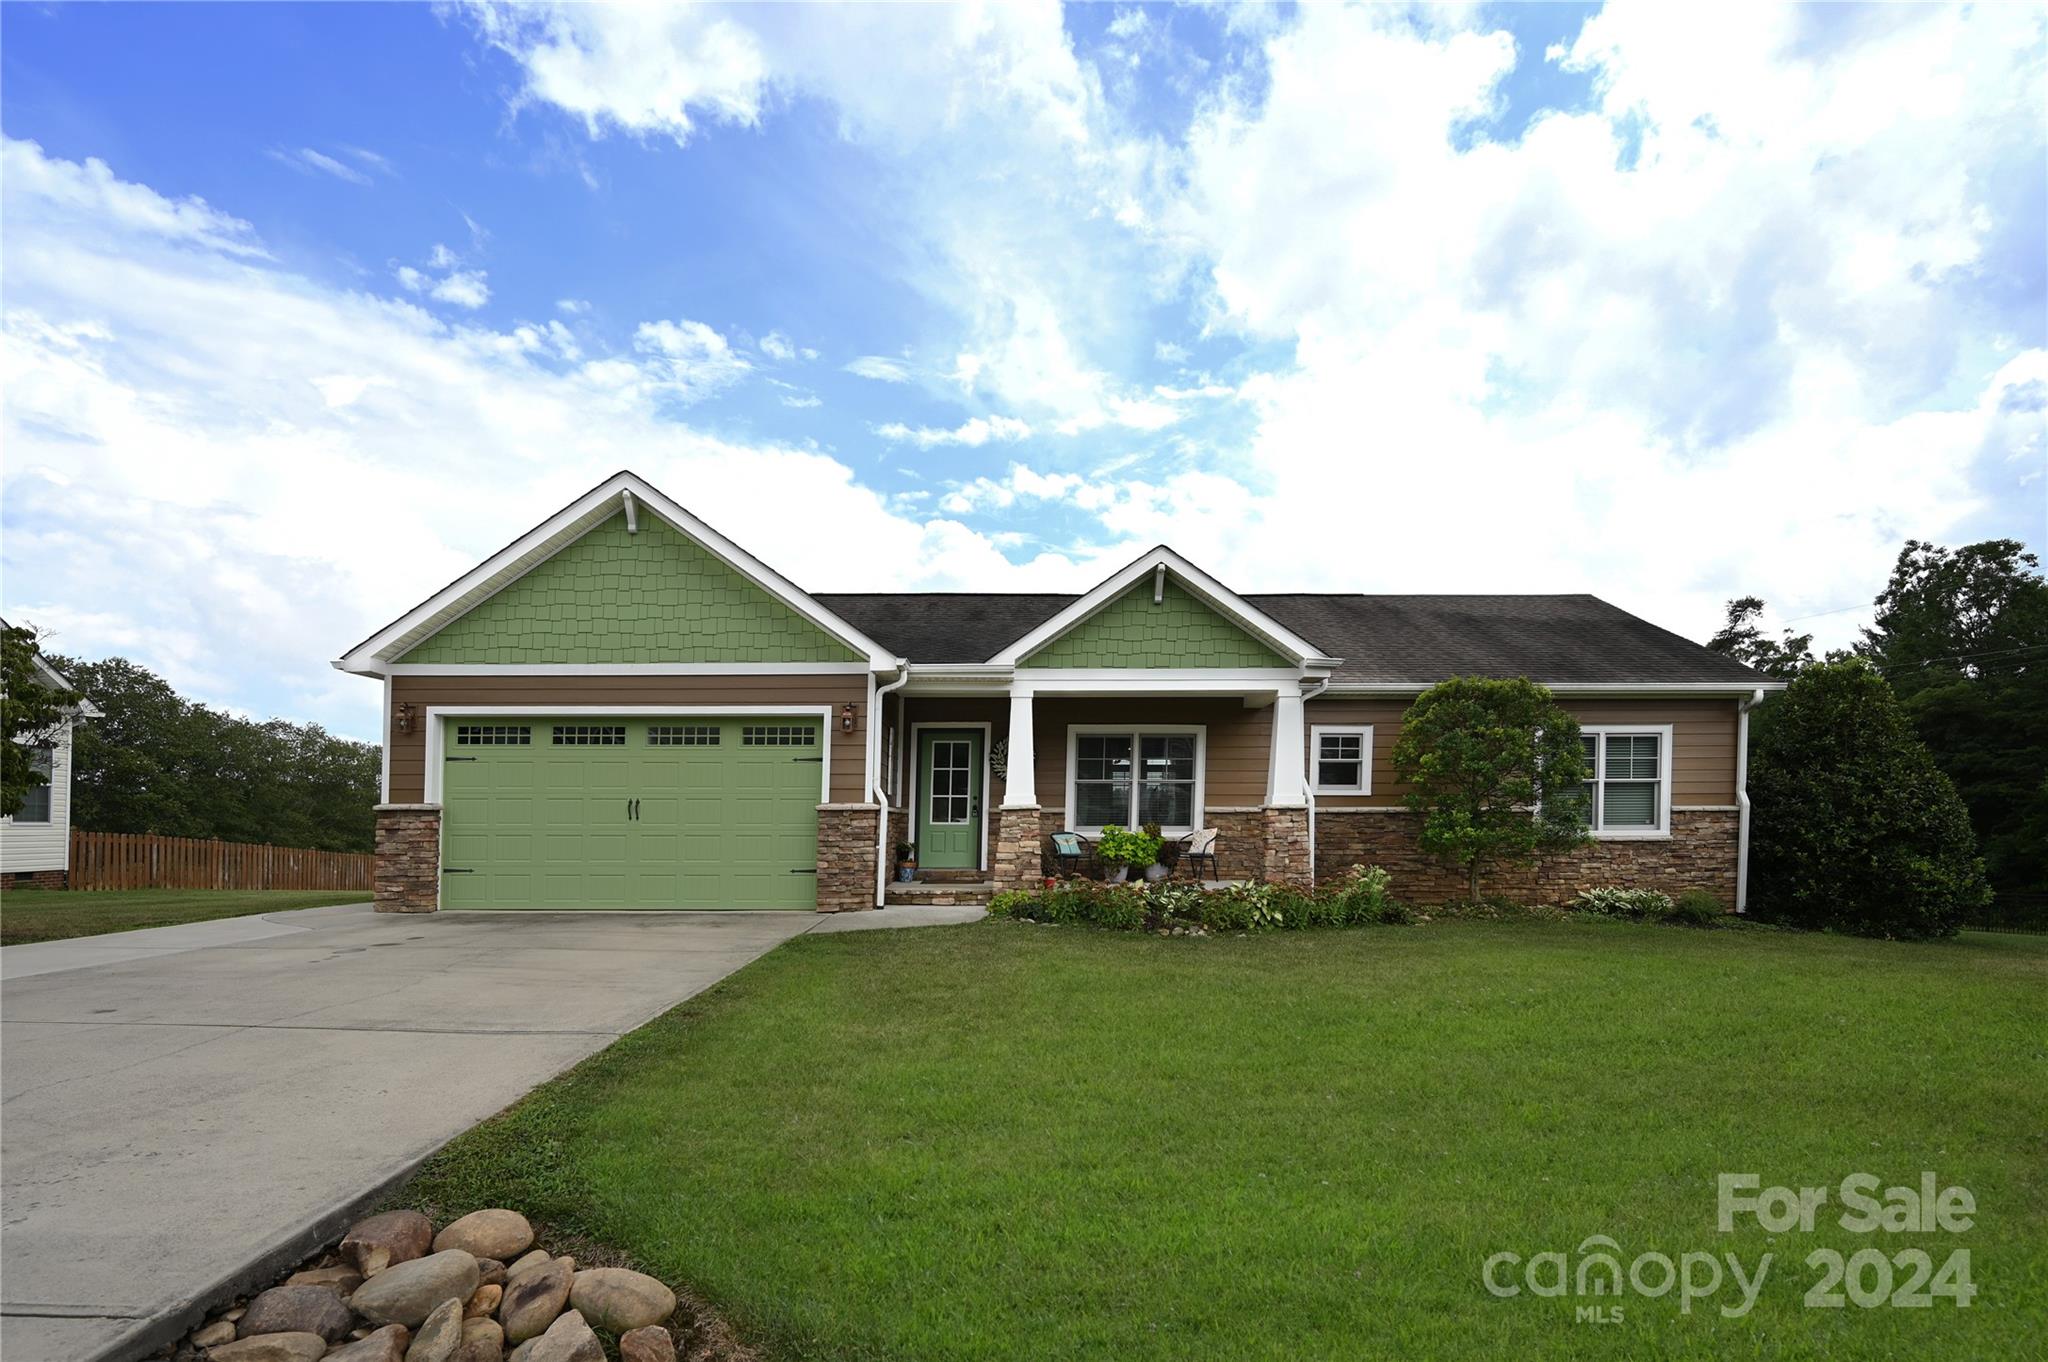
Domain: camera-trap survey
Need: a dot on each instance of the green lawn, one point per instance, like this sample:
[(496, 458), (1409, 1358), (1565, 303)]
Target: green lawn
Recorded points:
[(54, 915), (1009, 1141)]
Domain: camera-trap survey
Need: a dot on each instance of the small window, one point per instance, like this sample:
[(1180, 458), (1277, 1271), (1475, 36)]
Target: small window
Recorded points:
[(493, 735), (1343, 759), (682, 735), (778, 735), (35, 803), (590, 735)]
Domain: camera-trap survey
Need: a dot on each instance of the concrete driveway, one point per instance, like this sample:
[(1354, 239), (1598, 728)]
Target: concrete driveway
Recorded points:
[(183, 1109)]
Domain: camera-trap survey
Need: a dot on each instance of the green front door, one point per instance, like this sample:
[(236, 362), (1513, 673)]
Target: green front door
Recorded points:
[(576, 812), (949, 799)]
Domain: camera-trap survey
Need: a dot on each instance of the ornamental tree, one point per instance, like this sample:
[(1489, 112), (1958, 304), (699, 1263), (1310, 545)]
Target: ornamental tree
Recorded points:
[(31, 714), (1853, 826), (1497, 773)]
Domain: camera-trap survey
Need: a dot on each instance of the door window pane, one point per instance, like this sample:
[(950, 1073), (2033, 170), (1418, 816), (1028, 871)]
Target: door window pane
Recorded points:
[(950, 781)]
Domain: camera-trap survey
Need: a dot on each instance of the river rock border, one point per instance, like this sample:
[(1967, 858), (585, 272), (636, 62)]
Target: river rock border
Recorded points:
[(477, 1289)]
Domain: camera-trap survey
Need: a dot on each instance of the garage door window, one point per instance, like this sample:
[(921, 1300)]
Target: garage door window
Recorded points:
[(778, 735), (493, 735), (682, 735), (590, 735)]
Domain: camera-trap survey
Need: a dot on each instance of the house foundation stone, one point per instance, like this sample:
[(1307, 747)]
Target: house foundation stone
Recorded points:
[(408, 873), (1286, 847), (1019, 848), (846, 856)]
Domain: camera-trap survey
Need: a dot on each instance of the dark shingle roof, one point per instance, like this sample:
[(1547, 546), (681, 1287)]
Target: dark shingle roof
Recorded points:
[(1393, 639)]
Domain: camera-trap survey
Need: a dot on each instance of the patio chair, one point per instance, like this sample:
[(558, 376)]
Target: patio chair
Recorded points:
[(1069, 852), (1198, 847)]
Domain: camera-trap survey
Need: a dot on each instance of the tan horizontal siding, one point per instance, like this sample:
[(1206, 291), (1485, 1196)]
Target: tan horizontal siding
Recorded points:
[(1702, 743), (540, 694), (1237, 741)]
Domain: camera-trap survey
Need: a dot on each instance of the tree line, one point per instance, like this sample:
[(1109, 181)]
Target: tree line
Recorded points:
[(1955, 663), (159, 763)]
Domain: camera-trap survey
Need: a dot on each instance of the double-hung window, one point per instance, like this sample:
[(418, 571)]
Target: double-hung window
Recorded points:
[(35, 802), (1629, 794), (1136, 777), (1342, 759)]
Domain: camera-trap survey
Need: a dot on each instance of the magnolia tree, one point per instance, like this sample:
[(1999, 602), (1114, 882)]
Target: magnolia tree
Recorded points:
[(1497, 770)]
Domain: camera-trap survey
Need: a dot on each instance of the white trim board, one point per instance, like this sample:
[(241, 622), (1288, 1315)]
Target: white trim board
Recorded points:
[(1197, 583), (1137, 731), (564, 528), (916, 756), (622, 669), (436, 745), (1315, 737), (1667, 765)]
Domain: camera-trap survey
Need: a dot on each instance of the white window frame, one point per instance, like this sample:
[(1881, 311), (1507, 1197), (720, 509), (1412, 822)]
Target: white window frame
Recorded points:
[(1137, 733), (1665, 761), (1315, 756)]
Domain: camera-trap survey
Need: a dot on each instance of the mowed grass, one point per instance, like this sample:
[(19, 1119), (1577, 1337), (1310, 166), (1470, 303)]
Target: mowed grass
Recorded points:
[(58, 914), (1009, 1141)]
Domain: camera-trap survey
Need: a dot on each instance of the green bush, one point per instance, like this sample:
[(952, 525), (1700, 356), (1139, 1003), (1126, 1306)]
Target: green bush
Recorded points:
[(1120, 846), (1695, 908), (1363, 898), (1853, 827), (1011, 903), (1633, 904)]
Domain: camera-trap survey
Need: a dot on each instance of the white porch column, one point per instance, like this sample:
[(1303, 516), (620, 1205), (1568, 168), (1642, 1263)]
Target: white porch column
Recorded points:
[(1287, 780), (1020, 789)]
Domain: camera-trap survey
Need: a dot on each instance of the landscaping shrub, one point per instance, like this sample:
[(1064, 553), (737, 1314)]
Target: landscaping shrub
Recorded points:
[(1854, 827), (1633, 904), (1361, 899), (1695, 908)]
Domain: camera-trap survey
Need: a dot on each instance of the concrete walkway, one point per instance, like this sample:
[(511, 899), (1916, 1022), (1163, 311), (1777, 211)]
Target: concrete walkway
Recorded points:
[(186, 1110)]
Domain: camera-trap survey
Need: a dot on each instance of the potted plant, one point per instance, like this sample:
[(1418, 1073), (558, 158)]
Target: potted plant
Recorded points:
[(906, 863), (1158, 869), (1127, 851)]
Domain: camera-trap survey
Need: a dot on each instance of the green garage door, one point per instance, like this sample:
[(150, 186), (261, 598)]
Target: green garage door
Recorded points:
[(583, 812)]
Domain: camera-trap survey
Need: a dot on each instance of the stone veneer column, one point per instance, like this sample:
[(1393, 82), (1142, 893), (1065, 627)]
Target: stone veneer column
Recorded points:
[(408, 874), (1287, 846), (846, 856), (1018, 862)]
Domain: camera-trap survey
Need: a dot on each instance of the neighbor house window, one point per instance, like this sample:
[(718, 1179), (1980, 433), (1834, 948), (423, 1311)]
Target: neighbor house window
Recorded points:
[(1134, 778), (1343, 759), (1630, 792), (35, 805)]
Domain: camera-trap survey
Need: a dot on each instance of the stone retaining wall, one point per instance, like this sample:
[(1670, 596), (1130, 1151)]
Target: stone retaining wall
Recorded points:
[(1700, 854), (846, 856), (408, 876)]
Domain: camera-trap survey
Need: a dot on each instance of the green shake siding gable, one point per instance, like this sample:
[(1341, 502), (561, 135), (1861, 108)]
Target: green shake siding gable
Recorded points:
[(1131, 631), (616, 597)]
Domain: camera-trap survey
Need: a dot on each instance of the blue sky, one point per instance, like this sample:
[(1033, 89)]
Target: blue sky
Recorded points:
[(308, 307)]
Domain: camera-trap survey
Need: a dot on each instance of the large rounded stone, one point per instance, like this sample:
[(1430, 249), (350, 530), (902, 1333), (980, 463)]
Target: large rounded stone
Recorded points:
[(441, 1334), (383, 1240), (214, 1334), (297, 1310), (491, 1272), (533, 1298), (407, 1293), (384, 1345), (620, 1299), (651, 1344), (482, 1341), (294, 1347), (568, 1339), (525, 1261), (496, 1233)]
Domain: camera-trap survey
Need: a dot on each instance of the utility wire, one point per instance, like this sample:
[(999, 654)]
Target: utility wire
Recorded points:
[(1964, 657)]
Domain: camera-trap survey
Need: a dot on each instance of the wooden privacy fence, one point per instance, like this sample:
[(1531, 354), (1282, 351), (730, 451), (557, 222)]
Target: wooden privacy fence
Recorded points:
[(135, 860)]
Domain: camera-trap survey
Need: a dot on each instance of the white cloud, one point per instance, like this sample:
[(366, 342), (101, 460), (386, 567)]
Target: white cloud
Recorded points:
[(574, 307), (378, 163), (802, 400), (278, 466), (974, 432), (778, 347), (309, 162), (880, 368), (1169, 353), (458, 285)]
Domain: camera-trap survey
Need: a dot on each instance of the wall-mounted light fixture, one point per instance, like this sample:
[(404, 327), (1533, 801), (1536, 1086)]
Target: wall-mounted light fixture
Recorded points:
[(846, 717), (401, 717)]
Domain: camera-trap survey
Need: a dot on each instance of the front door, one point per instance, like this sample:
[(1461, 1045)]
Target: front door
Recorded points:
[(949, 799)]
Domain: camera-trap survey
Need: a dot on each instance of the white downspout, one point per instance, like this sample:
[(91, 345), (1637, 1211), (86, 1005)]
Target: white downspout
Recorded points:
[(1308, 784), (1742, 710), (877, 785)]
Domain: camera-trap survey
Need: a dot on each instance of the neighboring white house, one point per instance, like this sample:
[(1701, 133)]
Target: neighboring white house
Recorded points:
[(35, 844)]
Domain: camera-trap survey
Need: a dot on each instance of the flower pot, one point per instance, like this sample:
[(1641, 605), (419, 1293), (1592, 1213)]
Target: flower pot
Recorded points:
[(1155, 872), (1118, 875), (906, 872)]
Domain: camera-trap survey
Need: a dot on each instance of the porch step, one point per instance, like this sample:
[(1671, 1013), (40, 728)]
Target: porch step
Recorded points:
[(941, 893), (951, 876)]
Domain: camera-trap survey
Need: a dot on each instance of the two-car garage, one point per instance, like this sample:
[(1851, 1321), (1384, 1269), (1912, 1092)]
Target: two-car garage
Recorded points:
[(568, 811)]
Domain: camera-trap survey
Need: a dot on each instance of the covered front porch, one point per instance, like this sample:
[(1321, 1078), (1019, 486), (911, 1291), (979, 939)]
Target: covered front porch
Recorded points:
[(982, 766)]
